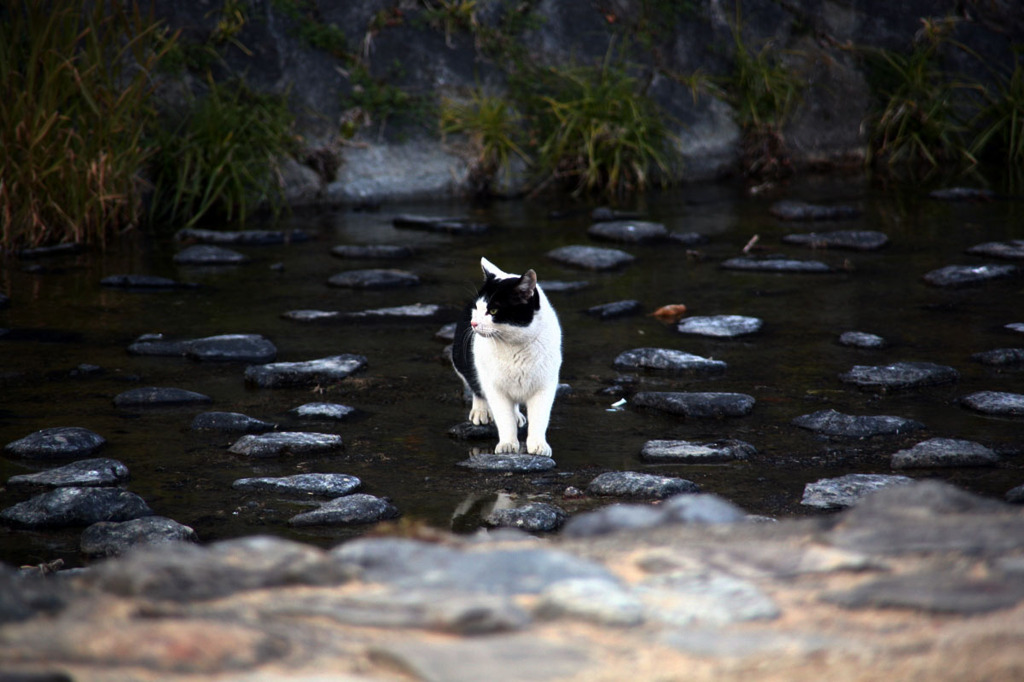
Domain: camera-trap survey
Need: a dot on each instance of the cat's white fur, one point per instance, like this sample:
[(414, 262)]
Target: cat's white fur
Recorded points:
[(516, 366)]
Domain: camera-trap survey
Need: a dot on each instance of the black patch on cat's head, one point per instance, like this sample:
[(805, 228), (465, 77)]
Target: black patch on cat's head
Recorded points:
[(514, 300)]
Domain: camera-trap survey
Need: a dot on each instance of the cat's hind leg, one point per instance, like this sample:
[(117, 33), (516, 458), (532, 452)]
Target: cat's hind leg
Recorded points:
[(479, 412)]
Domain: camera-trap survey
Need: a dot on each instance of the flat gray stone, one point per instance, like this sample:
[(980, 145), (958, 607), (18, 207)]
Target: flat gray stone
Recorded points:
[(775, 264), (373, 279), (333, 411), (933, 592), (848, 490), (75, 506), (725, 326), (590, 257), (688, 238), (900, 375), (458, 226), (349, 510), (326, 485), (666, 359), (372, 252), (110, 538), (833, 423), (533, 517), (251, 348), (159, 396), (996, 403), (608, 311), (788, 209), (628, 231), (853, 240), (60, 442), (232, 422), (695, 453), (208, 254), (143, 282), (159, 345), (1000, 357), (861, 340), (280, 443), (99, 471), (249, 237), (1012, 248), (1015, 327), (635, 484), (415, 311), (304, 373), (508, 462), (945, 452), (696, 404), (967, 275)]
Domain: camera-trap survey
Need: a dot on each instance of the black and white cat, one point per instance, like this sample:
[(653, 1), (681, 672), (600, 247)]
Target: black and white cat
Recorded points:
[(508, 350)]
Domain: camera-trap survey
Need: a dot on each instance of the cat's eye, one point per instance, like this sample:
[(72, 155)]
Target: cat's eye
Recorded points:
[(492, 311)]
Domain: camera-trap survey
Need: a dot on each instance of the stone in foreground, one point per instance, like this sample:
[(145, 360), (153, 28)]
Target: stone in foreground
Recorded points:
[(109, 538), (833, 423), (285, 443), (508, 462), (591, 257), (533, 517), (666, 359), (60, 442), (635, 484), (945, 452), (899, 375), (349, 510), (695, 453), (846, 491), (98, 471), (306, 373), (696, 404)]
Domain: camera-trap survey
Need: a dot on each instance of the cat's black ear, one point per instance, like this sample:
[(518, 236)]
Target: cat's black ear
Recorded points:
[(527, 286)]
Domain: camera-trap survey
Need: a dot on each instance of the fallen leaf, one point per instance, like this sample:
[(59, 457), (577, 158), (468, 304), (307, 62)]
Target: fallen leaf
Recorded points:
[(670, 313)]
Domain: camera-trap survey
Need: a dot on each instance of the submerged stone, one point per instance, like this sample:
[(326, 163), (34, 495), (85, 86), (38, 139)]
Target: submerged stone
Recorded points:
[(833, 423), (608, 311), (720, 325), (372, 251), (899, 375), (534, 517), (1000, 357), (98, 471), (861, 340), (561, 287), (962, 194), (854, 240), (995, 403), (966, 275), (250, 237), (508, 462), (846, 491), (230, 422), (696, 404), (665, 359), (945, 452), (688, 238), (305, 373), (694, 452), (142, 282), (799, 210), (775, 264), (591, 257), (75, 506), (56, 443), (373, 279), (628, 231), (207, 254), (109, 538), (159, 396), (348, 510), (285, 443), (415, 311), (634, 484), (444, 225), (327, 485)]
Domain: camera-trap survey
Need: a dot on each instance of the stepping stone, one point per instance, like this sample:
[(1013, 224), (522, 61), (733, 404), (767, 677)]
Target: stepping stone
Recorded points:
[(327, 485), (206, 254), (443, 225), (332, 411), (720, 325), (159, 346), (775, 264), (108, 538), (446, 333), (861, 340), (230, 422), (250, 237), (143, 282), (98, 471), (373, 279), (75, 506), (945, 452), (899, 375), (305, 373), (854, 240), (372, 251), (995, 403), (534, 517), (59, 442), (962, 194), (696, 404), (695, 453), (966, 275), (252, 348), (312, 315), (591, 257), (512, 463), (628, 231), (415, 311), (1013, 249), (799, 210), (688, 238), (604, 213), (634, 484), (832, 423), (157, 396), (608, 311), (285, 443), (349, 510), (846, 491), (1015, 327), (666, 359), (1000, 357)]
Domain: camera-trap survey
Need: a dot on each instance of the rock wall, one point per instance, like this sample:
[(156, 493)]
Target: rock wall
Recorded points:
[(404, 47)]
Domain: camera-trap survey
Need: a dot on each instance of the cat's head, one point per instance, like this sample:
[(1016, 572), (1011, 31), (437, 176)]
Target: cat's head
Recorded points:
[(504, 301)]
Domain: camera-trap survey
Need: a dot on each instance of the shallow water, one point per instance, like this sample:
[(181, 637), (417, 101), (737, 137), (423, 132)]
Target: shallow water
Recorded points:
[(408, 397)]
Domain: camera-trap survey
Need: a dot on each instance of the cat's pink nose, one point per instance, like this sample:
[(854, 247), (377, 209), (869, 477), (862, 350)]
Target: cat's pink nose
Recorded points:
[(473, 324)]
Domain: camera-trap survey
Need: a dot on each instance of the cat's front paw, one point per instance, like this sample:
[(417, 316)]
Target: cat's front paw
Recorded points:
[(538, 448), (480, 415), (507, 447)]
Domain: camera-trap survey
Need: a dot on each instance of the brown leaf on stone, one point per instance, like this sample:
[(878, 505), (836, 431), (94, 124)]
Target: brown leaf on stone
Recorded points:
[(670, 313)]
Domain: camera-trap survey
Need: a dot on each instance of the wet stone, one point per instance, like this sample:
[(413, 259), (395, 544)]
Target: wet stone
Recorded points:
[(207, 254), (962, 194), (720, 325), (1015, 327), (1013, 249), (239, 237), (533, 517), (608, 311), (373, 279), (352, 509), (695, 453), (966, 275), (799, 210), (326, 485), (854, 240), (775, 264), (372, 252), (605, 213), (634, 484), (108, 538), (561, 287), (75, 506), (99, 471), (230, 422), (306, 373), (59, 442), (591, 257), (1000, 357), (455, 226), (469, 431), (252, 348), (996, 403), (159, 345), (446, 333), (688, 238), (666, 359), (846, 491), (696, 404), (937, 592), (628, 231), (861, 340), (142, 282), (157, 396), (837, 424), (333, 411), (508, 462), (899, 375), (415, 311), (285, 443), (945, 452)]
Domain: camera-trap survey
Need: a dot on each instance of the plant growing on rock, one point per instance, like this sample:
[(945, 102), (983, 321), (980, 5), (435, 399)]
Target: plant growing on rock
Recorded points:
[(1000, 122), (493, 127)]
